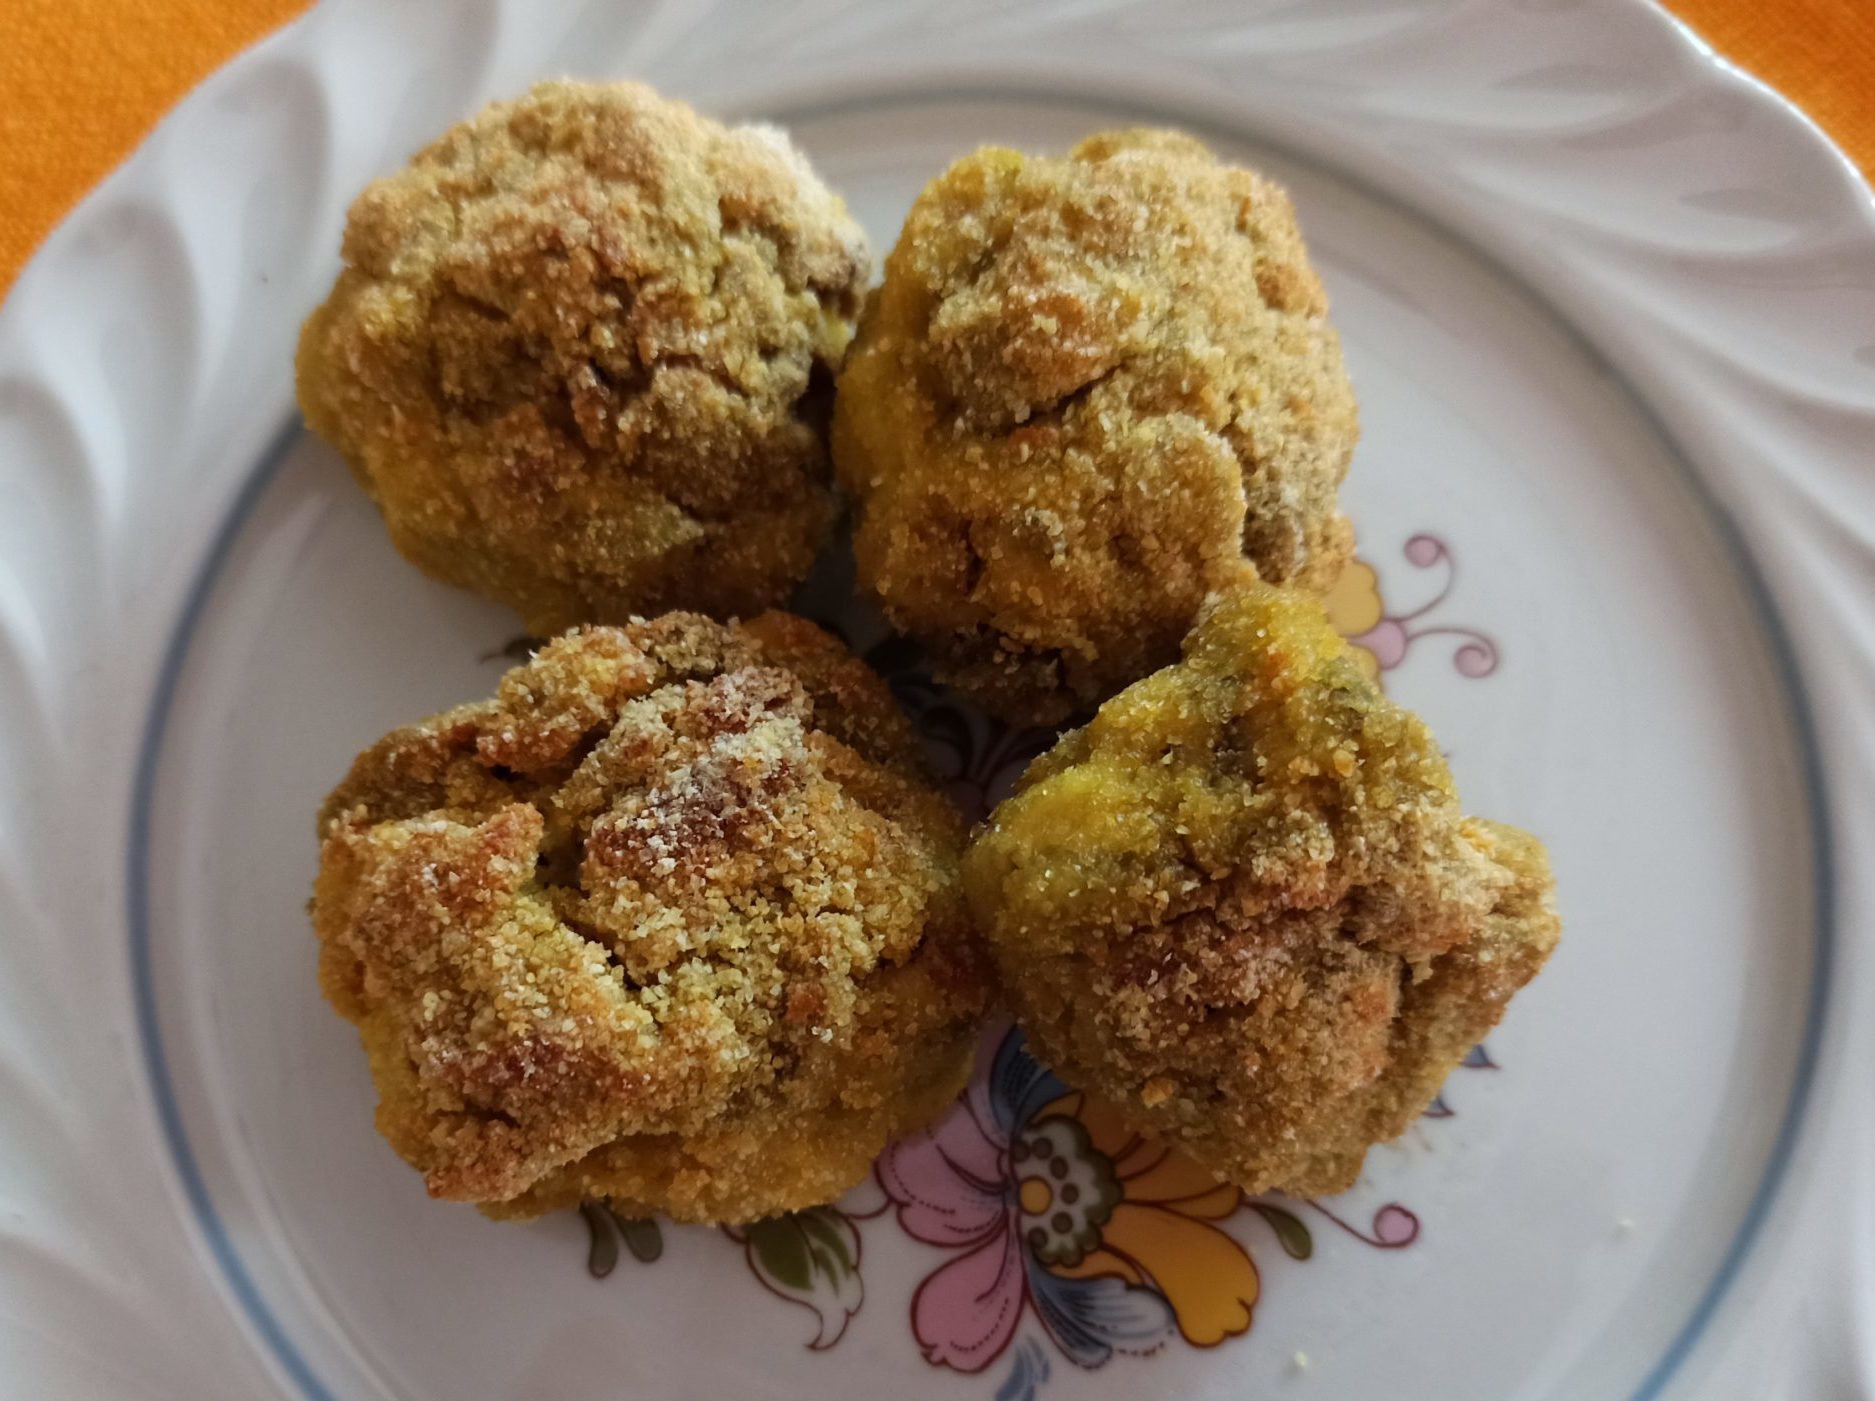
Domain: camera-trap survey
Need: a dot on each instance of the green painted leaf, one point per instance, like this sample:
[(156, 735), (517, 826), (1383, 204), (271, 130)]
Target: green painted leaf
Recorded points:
[(1291, 1234), (812, 1259), (780, 1249), (642, 1237), (823, 1227), (602, 1251)]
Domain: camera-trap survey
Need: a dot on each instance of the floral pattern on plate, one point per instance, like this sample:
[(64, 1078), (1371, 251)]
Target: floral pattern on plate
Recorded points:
[(1049, 1209)]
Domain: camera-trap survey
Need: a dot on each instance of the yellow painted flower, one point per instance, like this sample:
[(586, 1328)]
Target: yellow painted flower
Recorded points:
[(1354, 607), (1051, 1205), (1152, 1228)]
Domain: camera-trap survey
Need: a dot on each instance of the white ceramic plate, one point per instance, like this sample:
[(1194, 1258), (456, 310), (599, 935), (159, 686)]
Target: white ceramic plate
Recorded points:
[(1610, 308)]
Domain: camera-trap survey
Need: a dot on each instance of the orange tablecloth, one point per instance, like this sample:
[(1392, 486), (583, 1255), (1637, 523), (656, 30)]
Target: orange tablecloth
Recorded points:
[(81, 83)]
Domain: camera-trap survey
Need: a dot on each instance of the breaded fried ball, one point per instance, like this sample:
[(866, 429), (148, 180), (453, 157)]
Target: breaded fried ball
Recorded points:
[(673, 920), (1244, 905), (1088, 389), (580, 355)]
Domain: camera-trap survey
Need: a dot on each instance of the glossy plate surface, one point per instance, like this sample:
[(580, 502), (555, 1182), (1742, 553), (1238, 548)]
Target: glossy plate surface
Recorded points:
[(1611, 314)]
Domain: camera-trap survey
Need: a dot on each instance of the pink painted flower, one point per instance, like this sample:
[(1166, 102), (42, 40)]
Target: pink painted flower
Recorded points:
[(1381, 639), (1053, 1204)]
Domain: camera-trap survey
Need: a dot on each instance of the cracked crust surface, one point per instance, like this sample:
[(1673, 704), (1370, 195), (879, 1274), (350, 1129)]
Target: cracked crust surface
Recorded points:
[(580, 356), (673, 919), (1244, 905), (1087, 390)]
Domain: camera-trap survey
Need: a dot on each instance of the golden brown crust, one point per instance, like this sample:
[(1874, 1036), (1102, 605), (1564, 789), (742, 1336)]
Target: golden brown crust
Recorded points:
[(579, 356), (1088, 388), (1243, 904), (667, 920)]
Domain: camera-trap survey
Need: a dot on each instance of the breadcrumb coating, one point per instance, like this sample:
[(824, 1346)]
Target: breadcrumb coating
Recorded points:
[(1243, 903), (581, 354), (1087, 390), (673, 919)]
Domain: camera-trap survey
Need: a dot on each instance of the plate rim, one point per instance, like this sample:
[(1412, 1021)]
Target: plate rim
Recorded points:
[(29, 298)]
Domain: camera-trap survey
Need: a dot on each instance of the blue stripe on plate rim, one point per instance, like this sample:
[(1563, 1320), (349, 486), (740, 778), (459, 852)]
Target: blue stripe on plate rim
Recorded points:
[(292, 1361)]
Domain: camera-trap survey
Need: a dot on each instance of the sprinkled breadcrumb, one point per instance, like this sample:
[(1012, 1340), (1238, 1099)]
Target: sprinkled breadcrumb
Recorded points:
[(1271, 957), (581, 352), (673, 920), (1088, 388)]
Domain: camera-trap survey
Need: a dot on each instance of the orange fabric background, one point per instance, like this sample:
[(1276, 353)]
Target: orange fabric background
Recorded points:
[(81, 83)]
